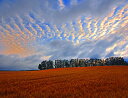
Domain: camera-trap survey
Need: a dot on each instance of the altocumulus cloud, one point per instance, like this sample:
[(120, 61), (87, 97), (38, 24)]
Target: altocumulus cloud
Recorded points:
[(61, 49), (47, 10), (109, 45)]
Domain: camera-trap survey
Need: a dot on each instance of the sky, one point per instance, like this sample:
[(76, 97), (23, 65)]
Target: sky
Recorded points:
[(35, 30)]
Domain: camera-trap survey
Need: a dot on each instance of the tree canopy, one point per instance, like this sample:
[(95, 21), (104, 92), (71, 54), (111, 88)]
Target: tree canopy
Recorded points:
[(81, 63)]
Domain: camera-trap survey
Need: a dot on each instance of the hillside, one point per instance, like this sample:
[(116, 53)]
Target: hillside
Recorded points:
[(100, 81)]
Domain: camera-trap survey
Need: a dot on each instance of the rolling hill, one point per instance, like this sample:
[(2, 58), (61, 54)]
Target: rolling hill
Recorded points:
[(77, 82)]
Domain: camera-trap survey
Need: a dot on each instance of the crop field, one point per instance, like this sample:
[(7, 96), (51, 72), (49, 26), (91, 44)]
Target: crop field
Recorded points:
[(81, 82)]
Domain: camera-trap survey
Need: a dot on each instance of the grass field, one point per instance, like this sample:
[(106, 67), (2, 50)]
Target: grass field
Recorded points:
[(83, 82)]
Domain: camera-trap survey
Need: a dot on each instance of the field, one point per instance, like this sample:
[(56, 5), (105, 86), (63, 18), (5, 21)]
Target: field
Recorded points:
[(83, 82)]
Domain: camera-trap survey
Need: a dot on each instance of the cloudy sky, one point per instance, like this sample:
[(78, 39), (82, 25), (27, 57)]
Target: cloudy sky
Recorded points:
[(36, 30)]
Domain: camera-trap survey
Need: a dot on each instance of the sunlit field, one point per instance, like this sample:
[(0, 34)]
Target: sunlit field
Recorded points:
[(83, 82)]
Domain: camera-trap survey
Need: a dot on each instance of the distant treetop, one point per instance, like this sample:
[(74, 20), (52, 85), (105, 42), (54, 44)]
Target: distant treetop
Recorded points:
[(82, 63)]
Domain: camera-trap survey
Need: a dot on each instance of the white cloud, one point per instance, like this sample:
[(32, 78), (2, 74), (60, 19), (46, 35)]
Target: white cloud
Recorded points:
[(47, 10), (14, 62)]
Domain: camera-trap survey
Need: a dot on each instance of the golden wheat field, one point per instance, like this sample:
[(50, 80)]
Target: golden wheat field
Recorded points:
[(83, 82)]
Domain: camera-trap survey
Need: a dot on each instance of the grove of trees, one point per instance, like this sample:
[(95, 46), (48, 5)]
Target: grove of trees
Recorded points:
[(82, 63)]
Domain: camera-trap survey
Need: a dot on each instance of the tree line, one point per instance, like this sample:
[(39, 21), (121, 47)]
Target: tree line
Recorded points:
[(81, 63)]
